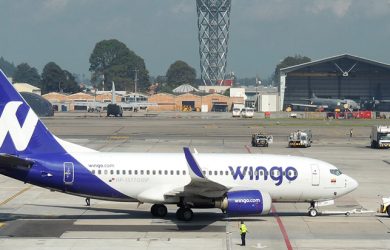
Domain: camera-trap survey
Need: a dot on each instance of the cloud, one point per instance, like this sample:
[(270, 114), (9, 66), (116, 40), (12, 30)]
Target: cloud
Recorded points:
[(375, 8), (338, 7), (263, 10), (183, 7), (55, 5)]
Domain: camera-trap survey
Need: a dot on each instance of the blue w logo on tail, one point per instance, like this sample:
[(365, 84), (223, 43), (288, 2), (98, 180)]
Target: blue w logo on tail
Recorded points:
[(20, 135)]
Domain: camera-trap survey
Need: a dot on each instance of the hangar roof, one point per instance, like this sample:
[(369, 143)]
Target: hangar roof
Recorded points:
[(333, 58)]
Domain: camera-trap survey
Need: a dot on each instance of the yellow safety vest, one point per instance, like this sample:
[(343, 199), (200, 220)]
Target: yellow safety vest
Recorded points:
[(243, 229)]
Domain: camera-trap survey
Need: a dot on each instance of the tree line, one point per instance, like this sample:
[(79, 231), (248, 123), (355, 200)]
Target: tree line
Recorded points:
[(112, 61)]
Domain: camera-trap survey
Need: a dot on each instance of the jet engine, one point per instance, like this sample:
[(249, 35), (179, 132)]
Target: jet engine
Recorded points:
[(245, 202)]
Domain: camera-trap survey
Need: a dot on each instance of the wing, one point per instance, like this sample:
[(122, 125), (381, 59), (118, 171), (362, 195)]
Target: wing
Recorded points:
[(199, 185), (308, 105), (11, 161)]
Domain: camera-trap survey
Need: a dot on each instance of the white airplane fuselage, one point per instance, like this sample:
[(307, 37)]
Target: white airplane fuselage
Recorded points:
[(161, 173)]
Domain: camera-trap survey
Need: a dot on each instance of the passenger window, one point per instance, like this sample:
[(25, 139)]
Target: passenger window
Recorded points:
[(215, 172), (221, 172), (111, 172), (135, 172), (99, 172), (166, 172), (124, 172), (172, 172), (147, 172), (141, 172), (178, 172), (204, 172), (226, 172), (160, 172), (210, 172), (93, 172), (184, 172), (129, 172), (106, 171), (154, 172), (118, 172)]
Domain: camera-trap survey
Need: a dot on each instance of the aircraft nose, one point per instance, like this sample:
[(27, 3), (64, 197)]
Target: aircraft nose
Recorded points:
[(352, 184)]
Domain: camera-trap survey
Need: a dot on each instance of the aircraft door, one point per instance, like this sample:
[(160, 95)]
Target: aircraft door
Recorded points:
[(315, 175), (68, 173)]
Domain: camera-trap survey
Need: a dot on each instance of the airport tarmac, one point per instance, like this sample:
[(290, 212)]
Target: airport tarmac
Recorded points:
[(35, 218)]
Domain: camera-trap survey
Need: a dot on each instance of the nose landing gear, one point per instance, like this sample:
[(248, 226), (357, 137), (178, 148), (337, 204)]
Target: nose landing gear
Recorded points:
[(312, 210)]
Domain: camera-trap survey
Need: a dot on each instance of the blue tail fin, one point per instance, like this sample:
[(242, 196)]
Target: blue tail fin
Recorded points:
[(21, 131)]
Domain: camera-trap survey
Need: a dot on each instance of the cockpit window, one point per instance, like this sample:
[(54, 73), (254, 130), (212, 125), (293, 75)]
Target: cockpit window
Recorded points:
[(335, 172)]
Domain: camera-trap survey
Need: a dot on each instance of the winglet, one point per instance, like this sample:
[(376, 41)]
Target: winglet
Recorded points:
[(194, 166)]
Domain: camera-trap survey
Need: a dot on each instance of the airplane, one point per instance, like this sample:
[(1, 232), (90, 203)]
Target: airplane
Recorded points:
[(238, 184), (329, 103)]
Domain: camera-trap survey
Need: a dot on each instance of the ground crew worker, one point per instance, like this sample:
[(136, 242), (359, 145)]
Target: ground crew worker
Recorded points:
[(350, 133), (243, 231)]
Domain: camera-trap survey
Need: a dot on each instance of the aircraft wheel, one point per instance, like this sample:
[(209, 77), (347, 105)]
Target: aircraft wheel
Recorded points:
[(159, 210), (153, 210), (179, 213), (313, 212), (388, 210), (187, 214)]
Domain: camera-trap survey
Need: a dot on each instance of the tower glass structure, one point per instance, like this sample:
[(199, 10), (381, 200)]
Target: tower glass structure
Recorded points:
[(213, 25)]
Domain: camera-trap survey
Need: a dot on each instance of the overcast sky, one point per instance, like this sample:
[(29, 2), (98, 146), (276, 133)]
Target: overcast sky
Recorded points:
[(262, 32)]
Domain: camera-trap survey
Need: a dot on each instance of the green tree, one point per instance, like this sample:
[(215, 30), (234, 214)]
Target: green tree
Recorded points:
[(290, 61), (180, 73), (25, 73), (113, 60), (54, 79), (7, 67)]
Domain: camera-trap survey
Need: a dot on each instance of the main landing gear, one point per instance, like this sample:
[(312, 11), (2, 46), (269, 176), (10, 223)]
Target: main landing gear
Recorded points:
[(184, 212), (159, 210), (312, 210)]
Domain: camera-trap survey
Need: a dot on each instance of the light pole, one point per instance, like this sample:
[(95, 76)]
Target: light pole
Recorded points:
[(258, 83), (135, 84), (103, 82)]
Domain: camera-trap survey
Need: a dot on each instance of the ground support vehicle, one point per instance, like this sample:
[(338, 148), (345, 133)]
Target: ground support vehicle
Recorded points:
[(261, 140), (300, 138), (385, 206), (114, 110), (247, 112), (380, 137)]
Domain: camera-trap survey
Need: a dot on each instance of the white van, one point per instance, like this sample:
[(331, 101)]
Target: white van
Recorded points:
[(236, 111), (247, 112)]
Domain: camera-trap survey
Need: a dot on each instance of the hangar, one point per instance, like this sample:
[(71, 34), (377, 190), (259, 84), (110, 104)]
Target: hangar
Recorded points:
[(342, 77)]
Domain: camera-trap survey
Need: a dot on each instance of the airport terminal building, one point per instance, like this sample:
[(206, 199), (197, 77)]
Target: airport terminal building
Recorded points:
[(343, 77)]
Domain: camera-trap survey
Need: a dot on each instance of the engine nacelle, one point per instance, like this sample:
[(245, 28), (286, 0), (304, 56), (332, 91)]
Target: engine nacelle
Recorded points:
[(246, 202)]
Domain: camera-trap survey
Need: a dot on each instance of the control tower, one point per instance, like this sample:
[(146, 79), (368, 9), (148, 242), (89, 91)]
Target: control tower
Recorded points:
[(213, 25)]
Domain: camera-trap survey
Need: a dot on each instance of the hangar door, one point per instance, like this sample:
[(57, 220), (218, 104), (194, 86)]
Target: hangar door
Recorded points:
[(188, 105)]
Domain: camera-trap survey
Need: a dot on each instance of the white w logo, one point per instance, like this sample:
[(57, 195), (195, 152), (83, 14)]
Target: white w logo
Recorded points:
[(20, 135)]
